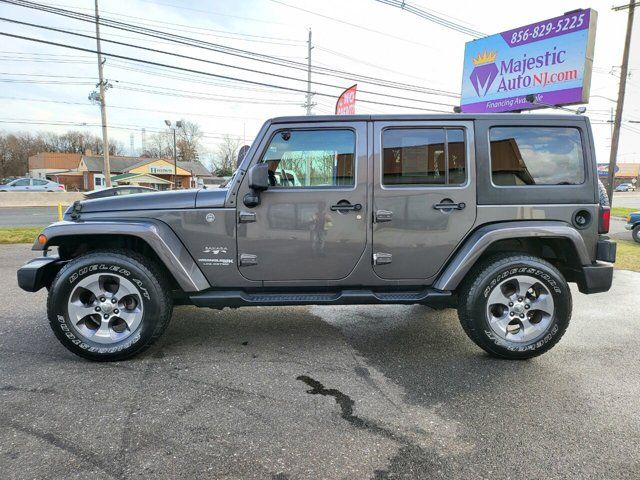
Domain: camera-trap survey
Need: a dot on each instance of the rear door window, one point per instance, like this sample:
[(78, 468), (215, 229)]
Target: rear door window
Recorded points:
[(522, 156), (423, 156)]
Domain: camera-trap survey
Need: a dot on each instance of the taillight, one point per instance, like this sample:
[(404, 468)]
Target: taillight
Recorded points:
[(605, 219), (60, 187)]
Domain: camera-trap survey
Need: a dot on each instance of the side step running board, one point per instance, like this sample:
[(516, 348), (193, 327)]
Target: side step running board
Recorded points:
[(240, 298)]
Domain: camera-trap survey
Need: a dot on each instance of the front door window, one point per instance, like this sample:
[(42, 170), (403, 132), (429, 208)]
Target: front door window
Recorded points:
[(311, 159)]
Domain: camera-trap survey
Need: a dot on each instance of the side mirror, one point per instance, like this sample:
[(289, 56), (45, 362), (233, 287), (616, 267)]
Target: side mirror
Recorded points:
[(258, 177)]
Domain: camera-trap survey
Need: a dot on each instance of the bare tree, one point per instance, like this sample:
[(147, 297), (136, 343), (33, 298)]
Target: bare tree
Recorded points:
[(224, 159), (160, 145), (188, 141), (16, 148)]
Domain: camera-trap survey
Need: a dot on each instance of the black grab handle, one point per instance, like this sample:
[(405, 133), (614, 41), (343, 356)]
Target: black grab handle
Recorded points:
[(355, 207)]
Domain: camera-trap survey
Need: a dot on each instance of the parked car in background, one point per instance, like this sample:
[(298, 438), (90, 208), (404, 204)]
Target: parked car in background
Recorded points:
[(113, 191), (32, 184), (626, 187), (633, 224)]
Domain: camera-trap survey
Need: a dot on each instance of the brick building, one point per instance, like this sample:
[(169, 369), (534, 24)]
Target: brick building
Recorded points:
[(84, 172)]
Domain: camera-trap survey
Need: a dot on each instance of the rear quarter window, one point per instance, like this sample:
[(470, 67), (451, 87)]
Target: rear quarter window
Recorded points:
[(523, 156)]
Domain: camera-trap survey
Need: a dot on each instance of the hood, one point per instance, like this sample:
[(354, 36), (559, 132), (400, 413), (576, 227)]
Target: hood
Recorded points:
[(169, 200)]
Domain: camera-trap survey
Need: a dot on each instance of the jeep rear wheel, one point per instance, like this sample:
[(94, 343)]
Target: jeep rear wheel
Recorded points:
[(515, 306), (108, 305)]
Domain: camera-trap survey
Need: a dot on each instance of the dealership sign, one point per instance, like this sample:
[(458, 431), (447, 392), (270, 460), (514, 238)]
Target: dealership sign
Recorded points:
[(551, 59)]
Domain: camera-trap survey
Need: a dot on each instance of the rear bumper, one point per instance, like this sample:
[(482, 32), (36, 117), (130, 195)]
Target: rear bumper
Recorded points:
[(606, 250), (596, 278), (38, 273)]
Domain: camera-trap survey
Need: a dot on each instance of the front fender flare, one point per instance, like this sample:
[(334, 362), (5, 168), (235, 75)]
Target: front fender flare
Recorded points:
[(156, 234), (466, 257)]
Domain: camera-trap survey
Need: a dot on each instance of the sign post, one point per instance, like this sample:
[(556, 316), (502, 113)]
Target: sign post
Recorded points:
[(551, 59), (346, 104)]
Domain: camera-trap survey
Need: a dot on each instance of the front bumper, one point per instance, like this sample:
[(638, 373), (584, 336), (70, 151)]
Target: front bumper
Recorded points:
[(629, 226), (38, 273)]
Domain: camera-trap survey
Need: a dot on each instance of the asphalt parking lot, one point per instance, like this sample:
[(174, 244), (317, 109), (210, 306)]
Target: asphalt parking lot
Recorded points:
[(323, 392)]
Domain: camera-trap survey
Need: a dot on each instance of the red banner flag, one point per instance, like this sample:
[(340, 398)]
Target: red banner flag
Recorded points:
[(346, 104)]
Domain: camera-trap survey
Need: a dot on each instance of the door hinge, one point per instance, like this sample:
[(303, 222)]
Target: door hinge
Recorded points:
[(383, 216), (247, 260), (380, 258), (246, 217)]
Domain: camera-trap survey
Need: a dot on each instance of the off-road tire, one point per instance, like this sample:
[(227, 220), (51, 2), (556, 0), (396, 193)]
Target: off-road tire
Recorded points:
[(635, 233), (602, 194), (145, 275), (480, 282)]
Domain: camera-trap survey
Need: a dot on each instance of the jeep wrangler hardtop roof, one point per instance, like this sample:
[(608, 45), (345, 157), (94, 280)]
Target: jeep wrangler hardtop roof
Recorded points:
[(427, 117)]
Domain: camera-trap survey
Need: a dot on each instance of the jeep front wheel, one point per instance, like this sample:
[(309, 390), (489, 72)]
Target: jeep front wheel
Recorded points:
[(515, 306), (108, 305), (635, 233)]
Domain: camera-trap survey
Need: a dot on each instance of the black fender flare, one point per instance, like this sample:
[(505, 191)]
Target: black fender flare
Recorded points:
[(476, 244), (156, 234)]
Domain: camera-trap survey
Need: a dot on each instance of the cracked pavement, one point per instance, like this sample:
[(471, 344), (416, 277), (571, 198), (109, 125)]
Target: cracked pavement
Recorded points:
[(323, 392)]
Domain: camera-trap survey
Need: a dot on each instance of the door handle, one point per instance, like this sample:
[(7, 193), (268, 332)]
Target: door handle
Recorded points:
[(340, 207), (449, 206), (246, 217)]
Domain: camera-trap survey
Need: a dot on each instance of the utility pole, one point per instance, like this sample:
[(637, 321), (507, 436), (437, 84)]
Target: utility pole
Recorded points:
[(308, 103), (177, 124), (615, 137), (106, 168)]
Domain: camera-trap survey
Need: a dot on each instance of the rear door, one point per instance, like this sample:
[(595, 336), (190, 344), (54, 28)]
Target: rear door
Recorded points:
[(424, 195), (311, 224)]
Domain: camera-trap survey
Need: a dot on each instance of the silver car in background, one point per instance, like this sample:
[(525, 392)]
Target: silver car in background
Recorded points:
[(32, 184)]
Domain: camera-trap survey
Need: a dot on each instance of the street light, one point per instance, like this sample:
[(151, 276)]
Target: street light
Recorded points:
[(175, 153)]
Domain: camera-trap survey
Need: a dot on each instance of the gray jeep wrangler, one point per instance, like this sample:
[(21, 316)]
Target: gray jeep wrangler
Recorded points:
[(489, 214)]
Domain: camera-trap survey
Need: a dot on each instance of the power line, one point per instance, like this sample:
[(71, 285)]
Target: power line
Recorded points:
[(368, 64), (157, 72), (175, 67), (122, 126), (152, 110), (188, 57), (203, 11), (229, 50), (354, 25), (433, 18)]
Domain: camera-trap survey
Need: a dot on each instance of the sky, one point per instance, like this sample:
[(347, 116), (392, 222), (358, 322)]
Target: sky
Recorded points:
[(45, 87)]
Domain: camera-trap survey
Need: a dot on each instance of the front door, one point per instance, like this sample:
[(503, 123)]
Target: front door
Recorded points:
[(311, 222), (424, 195)]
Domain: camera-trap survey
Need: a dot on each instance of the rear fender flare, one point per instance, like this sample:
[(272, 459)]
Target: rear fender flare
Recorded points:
[(477, 243)]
